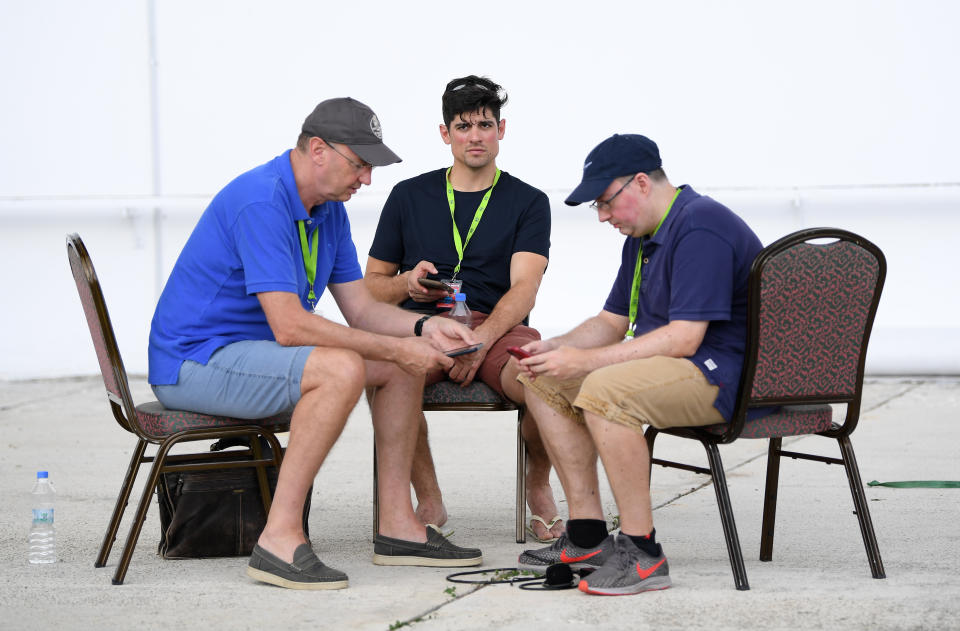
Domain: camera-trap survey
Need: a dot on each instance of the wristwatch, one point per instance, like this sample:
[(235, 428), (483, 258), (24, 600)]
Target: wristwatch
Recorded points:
[(418, 327)]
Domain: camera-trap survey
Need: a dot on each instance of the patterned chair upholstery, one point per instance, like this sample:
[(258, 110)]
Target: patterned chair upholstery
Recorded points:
[(811, 307), (155, 426)]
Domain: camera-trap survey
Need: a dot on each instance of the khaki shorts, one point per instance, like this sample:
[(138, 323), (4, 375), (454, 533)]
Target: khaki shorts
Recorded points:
[(658, 391)]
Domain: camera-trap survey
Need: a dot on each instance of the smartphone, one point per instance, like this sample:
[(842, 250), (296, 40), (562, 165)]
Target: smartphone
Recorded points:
[(463, 350), (434, 284), (518, 352)]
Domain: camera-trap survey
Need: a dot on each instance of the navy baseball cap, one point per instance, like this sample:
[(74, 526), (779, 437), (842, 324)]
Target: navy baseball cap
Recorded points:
[(618, 155)]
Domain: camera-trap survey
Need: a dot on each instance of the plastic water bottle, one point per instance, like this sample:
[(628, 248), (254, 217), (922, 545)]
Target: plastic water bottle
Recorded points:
[(460, 311), (43, 547)]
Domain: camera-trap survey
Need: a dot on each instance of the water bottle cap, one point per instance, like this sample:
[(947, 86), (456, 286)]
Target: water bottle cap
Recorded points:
[(460, 296), (41, 474)]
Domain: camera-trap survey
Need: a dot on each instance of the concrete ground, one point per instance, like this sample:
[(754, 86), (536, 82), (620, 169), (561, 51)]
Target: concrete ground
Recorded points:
[(819, 577)]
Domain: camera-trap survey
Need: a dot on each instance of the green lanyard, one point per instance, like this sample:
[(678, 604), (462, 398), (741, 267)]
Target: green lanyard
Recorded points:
[(309, 260), (635, 289), (462, 245)]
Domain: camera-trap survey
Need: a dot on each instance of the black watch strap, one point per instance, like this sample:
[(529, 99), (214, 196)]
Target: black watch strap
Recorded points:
[(418, 327)]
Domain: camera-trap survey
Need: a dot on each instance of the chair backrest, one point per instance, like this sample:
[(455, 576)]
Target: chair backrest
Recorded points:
[(811, 309), (101, 330)]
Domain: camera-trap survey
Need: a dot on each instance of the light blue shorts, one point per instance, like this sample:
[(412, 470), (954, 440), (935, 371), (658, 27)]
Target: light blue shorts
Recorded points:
[(249, 379)]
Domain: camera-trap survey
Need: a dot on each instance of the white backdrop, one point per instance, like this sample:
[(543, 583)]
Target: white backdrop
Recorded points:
[(794, 114)]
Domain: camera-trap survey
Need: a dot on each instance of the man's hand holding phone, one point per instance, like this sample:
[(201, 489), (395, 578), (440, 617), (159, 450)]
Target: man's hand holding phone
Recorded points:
[(464, 350), (518, 352), (423, 289)]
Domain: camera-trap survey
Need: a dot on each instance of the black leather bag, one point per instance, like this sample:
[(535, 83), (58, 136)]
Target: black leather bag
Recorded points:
[(216, 513)]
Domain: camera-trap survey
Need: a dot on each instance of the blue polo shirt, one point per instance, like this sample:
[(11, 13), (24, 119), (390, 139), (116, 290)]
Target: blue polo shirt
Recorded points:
[(695, 268), (246, 242)]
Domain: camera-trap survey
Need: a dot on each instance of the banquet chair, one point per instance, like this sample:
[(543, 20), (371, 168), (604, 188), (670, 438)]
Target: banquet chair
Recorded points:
[(812, 299), (153, 425)]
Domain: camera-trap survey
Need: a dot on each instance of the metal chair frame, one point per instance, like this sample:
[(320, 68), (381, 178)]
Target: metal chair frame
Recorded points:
[(125, 413), (840, 432)]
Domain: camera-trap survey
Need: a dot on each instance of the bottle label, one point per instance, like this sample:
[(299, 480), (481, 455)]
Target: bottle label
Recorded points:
[(43, 515)]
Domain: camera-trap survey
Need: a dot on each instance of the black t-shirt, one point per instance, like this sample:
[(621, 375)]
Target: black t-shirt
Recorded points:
[(415, 225)]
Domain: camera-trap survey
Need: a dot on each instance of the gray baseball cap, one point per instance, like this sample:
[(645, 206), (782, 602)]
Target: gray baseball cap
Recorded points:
[(350, 122)]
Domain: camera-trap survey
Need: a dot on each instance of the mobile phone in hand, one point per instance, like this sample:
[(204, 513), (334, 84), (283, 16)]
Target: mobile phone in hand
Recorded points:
[(463, 350), (518, 352), (429, 283)]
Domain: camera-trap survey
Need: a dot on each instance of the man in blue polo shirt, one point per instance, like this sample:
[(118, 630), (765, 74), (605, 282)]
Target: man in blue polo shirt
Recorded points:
[(234, 334), (666, 350)]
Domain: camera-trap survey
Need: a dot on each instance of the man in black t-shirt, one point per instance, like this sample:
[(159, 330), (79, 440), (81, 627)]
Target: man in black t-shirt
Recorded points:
[(488, 230)]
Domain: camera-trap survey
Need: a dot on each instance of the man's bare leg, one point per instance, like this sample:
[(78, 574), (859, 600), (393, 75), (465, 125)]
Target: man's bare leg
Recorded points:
[(396, 412), (537, 480), (626, 460), (571, 451), (330, 387), (430, 508)]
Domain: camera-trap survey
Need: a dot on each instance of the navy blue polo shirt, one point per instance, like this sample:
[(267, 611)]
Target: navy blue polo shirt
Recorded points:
[(415, 225), (695, 268), (247, 241)]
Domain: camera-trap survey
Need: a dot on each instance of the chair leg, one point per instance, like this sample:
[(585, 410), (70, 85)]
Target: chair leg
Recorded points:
[(650, 435), (770, 499), (860, 505), (726, 517), (521, 482), (122, 500), (261, 472), (376, 495), (154, 477)]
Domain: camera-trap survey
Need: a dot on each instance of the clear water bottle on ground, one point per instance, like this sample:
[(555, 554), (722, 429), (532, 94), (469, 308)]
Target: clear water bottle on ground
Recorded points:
[(43, 547), (460, 311)]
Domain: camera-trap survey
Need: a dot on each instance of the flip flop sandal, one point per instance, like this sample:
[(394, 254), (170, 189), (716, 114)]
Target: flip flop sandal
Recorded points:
[(547, 526)]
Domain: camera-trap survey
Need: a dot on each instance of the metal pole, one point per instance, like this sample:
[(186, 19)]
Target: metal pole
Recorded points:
[(156, 182)]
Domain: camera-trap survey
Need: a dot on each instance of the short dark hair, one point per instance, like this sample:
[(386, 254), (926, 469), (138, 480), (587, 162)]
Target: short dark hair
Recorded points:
[(472, 94), (303, 141)]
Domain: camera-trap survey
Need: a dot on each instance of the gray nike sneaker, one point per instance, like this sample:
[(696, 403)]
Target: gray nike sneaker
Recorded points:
[(564, 551), (629, 570)]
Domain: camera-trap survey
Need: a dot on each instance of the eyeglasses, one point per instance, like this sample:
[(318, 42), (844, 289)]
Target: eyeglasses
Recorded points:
[(603, 204), (359, 166)]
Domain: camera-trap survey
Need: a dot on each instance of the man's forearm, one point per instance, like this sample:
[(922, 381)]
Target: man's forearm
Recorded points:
[(385, 319), (391, 289), (591, 333), (510, 310)]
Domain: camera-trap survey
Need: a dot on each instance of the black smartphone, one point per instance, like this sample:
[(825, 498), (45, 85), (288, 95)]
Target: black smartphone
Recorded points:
[(429, 283), (463, 350)]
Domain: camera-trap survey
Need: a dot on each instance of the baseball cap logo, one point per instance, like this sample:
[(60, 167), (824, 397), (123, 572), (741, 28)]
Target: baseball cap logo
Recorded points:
[(375, 127), (587, 165)]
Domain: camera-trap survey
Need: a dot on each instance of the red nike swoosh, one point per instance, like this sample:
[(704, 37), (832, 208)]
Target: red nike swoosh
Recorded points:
[(568, 559), (645, 573)]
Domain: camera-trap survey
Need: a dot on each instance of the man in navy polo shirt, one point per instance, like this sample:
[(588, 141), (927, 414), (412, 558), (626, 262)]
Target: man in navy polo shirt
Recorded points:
[(666, 350), (234, 334)]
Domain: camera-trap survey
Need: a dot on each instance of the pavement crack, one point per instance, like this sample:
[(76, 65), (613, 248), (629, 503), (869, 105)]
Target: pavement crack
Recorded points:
[(423, 615)]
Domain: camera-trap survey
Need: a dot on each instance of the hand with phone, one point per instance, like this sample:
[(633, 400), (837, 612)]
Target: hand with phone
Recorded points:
[(421, 288), (518, 352), (429, 283), (464, 350)]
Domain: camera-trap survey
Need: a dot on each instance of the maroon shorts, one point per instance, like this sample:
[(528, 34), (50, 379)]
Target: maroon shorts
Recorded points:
[(497, 355)]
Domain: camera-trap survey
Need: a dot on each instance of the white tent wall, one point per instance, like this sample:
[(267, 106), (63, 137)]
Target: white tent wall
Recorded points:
[(121, 119)]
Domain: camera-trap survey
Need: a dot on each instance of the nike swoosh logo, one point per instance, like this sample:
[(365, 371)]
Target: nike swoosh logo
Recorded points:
[(568, 559), (645, 573)]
